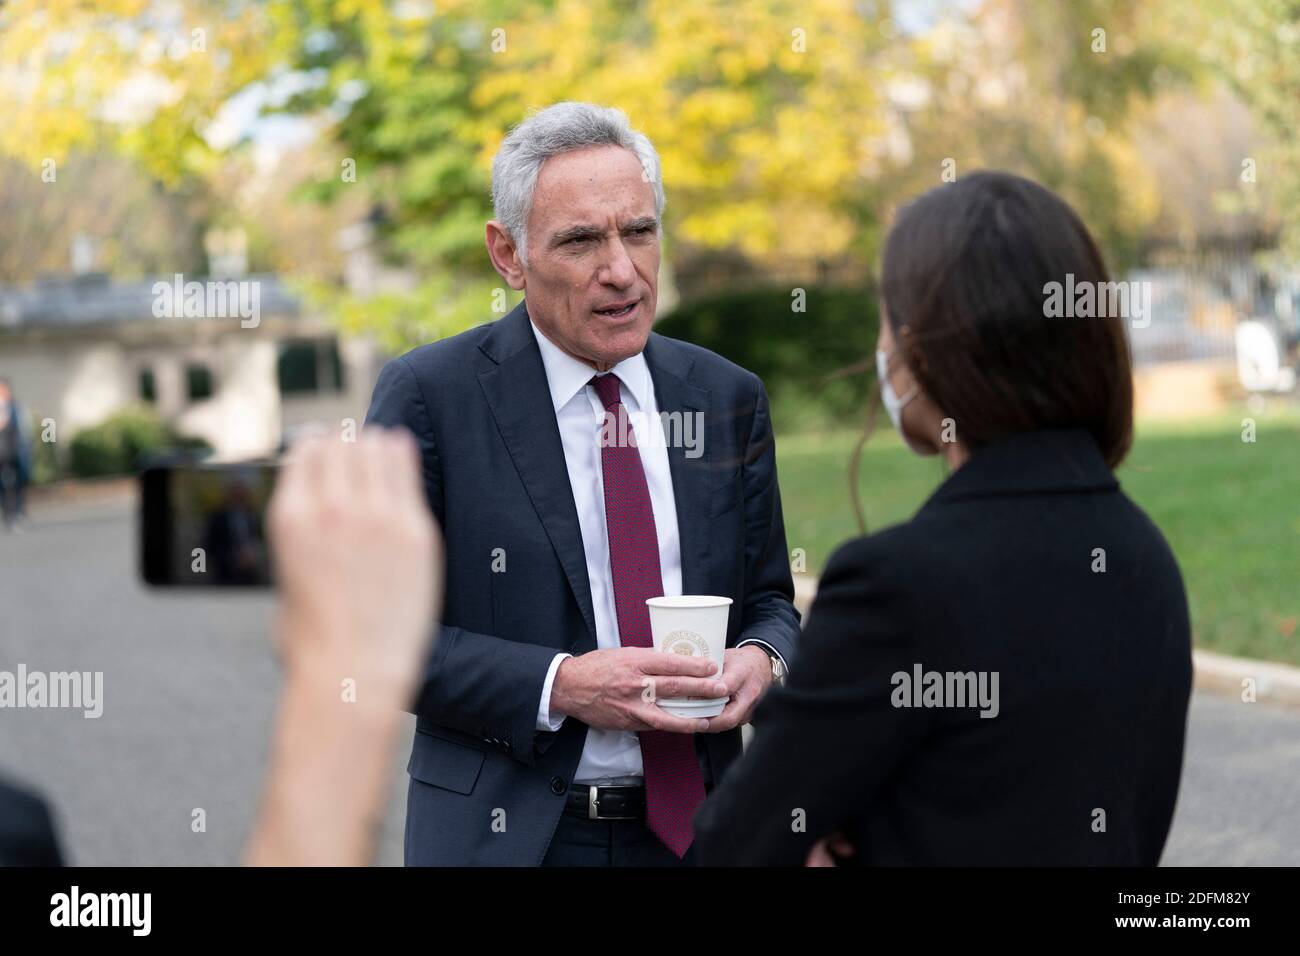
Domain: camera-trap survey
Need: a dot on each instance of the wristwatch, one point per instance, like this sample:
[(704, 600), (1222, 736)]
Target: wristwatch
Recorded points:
[(778, 668)]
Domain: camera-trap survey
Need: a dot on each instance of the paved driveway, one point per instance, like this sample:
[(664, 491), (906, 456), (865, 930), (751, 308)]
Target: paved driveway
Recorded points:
[(190, 682)]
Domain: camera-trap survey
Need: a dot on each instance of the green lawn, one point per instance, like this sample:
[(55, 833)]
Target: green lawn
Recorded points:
[(1231, 511)]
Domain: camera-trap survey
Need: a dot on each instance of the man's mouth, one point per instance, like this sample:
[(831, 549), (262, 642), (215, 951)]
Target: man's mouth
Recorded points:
[(618, 310)]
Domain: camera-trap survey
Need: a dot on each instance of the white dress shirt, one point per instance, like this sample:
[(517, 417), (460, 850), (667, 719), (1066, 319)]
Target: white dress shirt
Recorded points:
[(580, 415)]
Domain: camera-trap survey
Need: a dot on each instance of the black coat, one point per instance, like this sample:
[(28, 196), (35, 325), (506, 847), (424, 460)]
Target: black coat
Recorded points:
[(26, 830), (998, 572)]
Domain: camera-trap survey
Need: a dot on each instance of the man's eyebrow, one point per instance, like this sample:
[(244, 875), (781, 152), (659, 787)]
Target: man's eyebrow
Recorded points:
[(575, 232), (595, 232)]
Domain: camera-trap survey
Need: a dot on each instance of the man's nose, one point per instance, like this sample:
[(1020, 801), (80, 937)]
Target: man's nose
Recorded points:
[(618, 270)]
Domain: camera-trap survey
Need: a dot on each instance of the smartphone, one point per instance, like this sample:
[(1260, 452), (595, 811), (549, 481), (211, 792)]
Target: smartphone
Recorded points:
[(204, 525)]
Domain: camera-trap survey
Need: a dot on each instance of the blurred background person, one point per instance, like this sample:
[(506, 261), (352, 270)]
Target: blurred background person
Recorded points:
[(1028, 569), (233, 538), (15, 458)]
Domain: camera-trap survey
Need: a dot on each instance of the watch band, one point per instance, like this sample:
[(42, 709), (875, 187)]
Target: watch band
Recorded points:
[(779, 670), (778, 666)]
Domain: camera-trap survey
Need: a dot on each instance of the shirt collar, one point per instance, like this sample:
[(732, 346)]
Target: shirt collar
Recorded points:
[(566, 375)]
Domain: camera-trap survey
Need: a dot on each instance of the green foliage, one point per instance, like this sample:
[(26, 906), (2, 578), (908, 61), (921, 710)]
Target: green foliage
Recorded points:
[(1254, 44), (76, 64), (114, 446), (406, 86), (438, 307), (422, 100), (789, 131), (803, 357), (45, 460)]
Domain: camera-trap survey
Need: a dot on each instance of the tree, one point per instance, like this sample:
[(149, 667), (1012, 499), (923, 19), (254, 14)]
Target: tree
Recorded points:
[(1051, 91), (135, 228), (789, 129), (138, 77), (1255, 44), (764, 115)]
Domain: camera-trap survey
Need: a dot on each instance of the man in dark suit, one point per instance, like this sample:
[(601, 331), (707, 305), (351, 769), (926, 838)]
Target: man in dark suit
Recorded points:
[(580, 464)]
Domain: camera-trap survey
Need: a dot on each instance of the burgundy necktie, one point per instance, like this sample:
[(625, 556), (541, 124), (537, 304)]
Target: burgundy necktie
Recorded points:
[(673, 781)]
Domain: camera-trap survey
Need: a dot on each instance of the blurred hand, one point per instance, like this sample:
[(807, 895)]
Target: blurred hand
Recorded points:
[(616, 688), (357, 560), (825, 852), (358, 563), (747, 674)]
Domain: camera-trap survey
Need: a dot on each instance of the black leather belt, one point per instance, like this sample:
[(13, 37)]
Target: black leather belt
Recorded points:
[(606, 803)]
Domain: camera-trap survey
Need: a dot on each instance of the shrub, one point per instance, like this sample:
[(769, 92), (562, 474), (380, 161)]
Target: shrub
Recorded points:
[(114, 446), (45, 460), (795, 353)]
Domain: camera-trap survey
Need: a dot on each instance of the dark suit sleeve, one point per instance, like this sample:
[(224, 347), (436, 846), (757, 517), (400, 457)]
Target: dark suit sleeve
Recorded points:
[(475, 683), (769, 614), (825, 743), (26, 830)]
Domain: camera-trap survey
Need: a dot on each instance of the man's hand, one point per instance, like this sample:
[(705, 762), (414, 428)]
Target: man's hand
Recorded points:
[(747, 673), (616, 688), (829, 851)]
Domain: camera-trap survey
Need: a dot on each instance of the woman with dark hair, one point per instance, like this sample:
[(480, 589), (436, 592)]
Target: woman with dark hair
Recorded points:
[(1004, 678)]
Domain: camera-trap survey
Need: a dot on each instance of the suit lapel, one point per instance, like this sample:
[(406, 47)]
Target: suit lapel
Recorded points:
[(519, 398), (675, 393)]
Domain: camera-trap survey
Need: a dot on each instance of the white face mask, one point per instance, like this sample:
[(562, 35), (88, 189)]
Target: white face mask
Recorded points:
[(893, 404)]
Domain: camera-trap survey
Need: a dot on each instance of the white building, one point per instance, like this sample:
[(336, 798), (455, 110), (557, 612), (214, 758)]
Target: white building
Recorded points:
[(76, 349)]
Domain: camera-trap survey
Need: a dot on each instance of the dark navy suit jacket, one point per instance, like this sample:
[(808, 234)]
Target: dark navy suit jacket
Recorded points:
[(486, 787)]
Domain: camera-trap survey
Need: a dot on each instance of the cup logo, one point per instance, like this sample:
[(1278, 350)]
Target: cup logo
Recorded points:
[(686, 643)]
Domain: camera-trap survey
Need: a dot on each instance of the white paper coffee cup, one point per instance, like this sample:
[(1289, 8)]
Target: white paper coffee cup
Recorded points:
[(694, 625)]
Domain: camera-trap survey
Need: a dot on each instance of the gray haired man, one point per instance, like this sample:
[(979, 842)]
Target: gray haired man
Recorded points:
[(538, 739)]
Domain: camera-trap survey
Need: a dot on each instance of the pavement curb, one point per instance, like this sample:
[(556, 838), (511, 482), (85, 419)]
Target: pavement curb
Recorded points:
[(82, 490), (1273, 683)]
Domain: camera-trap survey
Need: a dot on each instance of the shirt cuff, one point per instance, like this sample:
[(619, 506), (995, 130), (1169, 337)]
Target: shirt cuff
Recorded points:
[(771, 651), (544, 722)]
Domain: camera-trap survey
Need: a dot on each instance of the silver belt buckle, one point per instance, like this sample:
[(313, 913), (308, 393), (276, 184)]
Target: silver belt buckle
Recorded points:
[(591, 803)]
